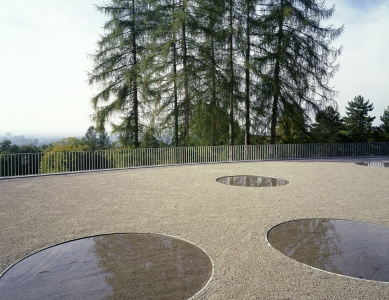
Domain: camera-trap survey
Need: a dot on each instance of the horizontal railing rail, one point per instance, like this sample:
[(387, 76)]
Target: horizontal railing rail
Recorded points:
[(24, 164)]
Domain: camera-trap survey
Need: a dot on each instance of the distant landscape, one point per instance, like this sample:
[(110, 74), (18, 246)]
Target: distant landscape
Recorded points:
[(29, 139)]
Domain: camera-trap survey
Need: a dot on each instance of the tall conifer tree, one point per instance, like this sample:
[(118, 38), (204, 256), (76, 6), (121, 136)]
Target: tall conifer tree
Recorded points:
[(358, 123), (245, 61), (209, 104), (296, 55), (117, 69)]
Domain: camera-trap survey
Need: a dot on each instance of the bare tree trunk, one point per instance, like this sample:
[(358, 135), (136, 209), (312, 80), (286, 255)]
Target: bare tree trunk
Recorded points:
[(186, 88), (247, 92), (213, 101), (175, 82), (231, 104), (277, 87), (135, 88)]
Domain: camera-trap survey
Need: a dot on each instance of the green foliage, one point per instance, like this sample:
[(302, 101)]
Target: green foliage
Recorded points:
[(376, 134), (103, 141), (118, 67), (209, 126), (6, 148), (64, 156), (21, 161), (296, 56), (67, 145), (292, 127), (29, 149), (177, 66), (149, 140), (358, 123), (327, 126), (385, 125), (95, 140), (90, 138), (77, 154)]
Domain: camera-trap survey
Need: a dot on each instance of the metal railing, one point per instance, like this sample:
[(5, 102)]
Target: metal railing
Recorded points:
[(24, 164)]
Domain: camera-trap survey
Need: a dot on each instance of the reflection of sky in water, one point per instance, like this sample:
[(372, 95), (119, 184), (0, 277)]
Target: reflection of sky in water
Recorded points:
[(129, 266), (350, 248), (375, 164), (251, 181), (56, 273)]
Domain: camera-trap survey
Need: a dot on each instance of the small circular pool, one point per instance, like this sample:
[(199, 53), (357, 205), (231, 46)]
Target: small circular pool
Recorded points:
[(355, 249), (374, 164), (251, 181), (117, 266)]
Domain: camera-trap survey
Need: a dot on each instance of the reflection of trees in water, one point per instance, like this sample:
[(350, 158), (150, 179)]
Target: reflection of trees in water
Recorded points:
[(252, 181), (378, 164), (375, 164), (314, 242), (151, 266)]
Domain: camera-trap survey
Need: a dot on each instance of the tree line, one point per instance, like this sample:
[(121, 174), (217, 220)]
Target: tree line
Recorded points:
[(211, 72), (328, 127), (87, 153)]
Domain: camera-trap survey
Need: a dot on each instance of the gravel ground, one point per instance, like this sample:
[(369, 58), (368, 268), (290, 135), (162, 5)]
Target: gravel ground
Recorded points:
[(230, 223)]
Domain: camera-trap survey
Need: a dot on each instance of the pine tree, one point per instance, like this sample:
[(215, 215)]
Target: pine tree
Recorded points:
[(173, 66), (231, 77), (293, 126), (118, 70), (96, 140), (296, 56), (90, 138), (167, 67), (385, 125), (327, 126), (358, 123), (252, 108), (249, 8), (210, 108)]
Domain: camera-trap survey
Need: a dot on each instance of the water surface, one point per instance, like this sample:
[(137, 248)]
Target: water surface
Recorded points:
[(350, 248), (114, 266), (374, 164), (252, 181)]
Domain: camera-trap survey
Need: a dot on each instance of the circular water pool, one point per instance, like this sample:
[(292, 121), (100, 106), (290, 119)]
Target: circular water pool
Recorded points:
[(117, 266), (251, 181), (374, 164), (355, 249)]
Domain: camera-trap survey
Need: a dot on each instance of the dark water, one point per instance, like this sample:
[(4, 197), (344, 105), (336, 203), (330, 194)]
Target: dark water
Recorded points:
[(374, 164), (115, 266), (355, 249), (251, 181)]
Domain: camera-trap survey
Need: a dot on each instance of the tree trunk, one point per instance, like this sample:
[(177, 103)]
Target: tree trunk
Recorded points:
[(135, 88), (175, 82), (277, 86), (213, 100), (247, 92), (186, 89), (231, 81)]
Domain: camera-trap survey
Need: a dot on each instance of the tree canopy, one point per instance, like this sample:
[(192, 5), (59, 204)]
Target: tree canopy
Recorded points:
[(358, 123), (327, 126), (385, 125), (170, 67)]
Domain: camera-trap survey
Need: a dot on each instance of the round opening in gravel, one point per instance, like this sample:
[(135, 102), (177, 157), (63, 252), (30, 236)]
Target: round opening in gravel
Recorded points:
[(374, 164), (114, 266), (355, 249), (251, 181)]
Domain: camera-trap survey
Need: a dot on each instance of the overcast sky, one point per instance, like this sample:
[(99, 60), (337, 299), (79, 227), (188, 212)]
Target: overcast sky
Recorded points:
[(44, 63)]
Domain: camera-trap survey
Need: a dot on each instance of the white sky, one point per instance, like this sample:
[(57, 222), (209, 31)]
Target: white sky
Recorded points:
[(43, 61)]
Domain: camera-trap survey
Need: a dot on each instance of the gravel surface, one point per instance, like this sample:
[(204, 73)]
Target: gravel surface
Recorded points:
[(230, 223)]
